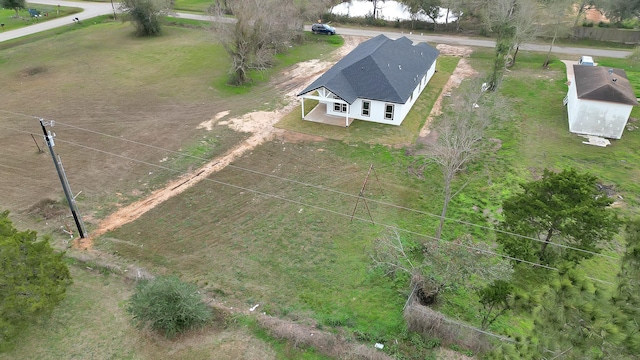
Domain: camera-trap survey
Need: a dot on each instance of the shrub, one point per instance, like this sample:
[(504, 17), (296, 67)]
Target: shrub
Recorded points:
[(168, 305), (145, 15)]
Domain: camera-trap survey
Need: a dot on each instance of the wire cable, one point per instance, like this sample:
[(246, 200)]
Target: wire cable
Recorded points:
[(593, 253), (392, 227)]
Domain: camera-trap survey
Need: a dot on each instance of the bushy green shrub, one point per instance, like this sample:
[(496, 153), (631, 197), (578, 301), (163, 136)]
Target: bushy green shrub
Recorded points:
[(168, 305)]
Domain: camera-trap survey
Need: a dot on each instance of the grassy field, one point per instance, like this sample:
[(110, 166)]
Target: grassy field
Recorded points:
[(91, 323), (274, 228), (155, 91), (47, 12)]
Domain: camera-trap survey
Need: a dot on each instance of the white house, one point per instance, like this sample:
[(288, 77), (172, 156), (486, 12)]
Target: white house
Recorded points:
[(378, 81), (599, 101)]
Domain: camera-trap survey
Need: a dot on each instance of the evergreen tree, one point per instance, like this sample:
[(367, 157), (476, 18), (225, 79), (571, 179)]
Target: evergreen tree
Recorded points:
[(33, 279), (565, 208), (626, 299)]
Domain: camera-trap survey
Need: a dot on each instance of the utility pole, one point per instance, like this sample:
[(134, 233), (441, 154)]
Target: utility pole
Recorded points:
[(63, 179)]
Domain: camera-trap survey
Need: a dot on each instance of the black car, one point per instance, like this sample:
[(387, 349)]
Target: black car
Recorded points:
[(323, 29)]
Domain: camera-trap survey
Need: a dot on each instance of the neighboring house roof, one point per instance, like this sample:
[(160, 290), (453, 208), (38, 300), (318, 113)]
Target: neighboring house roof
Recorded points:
[(378, 69), (603, 84)]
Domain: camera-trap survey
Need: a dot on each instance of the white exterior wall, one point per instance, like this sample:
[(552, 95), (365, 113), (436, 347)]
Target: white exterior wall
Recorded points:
[(598, 118), (378, 107)]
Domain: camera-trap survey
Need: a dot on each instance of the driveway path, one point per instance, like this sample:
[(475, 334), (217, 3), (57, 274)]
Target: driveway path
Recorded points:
[(92, 9)]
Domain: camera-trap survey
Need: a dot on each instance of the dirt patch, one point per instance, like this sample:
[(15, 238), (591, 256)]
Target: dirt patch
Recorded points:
[(259, 124), (208, 125), (32, 71), (47, 209), (462, 71)]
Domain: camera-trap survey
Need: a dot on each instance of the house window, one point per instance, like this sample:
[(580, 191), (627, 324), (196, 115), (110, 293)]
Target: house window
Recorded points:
[(338, 107), (366, 108), (388, 111)]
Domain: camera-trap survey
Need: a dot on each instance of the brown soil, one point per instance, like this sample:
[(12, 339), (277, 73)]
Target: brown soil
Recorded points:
[(462, 71)]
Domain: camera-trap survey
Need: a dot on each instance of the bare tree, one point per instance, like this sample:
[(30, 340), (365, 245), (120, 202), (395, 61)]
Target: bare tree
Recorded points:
[(262, 29), (581, 8), (437, 265), (556, 14), (459, 133), (526, 21), (376, 7), (512, 21)]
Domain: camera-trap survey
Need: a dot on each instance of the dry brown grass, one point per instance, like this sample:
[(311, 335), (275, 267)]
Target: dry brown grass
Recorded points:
[(432, 324), (324, 342)]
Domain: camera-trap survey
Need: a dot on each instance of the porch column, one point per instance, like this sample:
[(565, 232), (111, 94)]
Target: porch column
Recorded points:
[(302, 103), (346, 119)]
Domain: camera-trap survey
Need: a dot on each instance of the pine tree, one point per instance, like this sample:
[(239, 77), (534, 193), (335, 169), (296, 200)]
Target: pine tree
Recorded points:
[(572, 320), (626, 299), (33, 279)]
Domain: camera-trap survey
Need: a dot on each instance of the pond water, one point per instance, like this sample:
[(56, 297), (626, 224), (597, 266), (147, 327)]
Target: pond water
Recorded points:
[(387, 10)]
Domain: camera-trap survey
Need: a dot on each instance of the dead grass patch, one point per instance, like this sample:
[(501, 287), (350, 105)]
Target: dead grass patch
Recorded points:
[(432, 324), (326, 343), (33, 70)]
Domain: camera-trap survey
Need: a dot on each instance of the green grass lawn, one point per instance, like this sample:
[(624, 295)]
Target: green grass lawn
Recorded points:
[(47, 12)]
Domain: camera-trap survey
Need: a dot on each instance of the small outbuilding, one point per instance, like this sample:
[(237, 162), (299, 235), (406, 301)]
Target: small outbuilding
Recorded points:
[(378, 81), (599, 101)]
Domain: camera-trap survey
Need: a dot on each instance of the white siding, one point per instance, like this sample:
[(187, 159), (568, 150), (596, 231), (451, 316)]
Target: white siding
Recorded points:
[(601, 118), (598, 118), (378, 107)]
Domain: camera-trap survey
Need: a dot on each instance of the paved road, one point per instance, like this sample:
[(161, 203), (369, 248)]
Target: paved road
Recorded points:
[(90, 10), (97, 9)]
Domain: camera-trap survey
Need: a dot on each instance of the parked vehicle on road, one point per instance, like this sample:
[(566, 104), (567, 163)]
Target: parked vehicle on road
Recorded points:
[(586, 60), (323, 29)]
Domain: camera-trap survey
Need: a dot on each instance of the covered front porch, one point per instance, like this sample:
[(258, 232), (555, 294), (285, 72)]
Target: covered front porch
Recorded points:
[(319, 114)]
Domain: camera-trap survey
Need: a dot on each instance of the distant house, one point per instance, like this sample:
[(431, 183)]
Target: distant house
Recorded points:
[(599, 101), (378, 81)]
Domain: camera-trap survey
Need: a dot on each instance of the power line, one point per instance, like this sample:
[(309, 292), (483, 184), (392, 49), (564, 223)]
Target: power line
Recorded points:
[(318, 207), (392, 227), (337, 191), (349, 195)]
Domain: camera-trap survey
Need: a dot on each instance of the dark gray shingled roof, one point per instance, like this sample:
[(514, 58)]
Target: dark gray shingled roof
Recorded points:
[(378, 69), (604, 84)]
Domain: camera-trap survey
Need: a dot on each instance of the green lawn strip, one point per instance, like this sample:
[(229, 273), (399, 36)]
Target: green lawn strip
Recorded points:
[(192, 5), (369, 132), (47, 12)]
